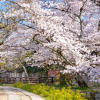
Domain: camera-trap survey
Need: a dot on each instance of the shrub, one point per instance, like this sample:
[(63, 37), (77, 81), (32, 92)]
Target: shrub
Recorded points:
[(51, 93)]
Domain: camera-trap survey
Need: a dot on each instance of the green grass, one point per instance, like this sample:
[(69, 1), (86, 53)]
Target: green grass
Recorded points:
[(61, 86), (79, 88), (85, 89), (1, 84), (75, 87)]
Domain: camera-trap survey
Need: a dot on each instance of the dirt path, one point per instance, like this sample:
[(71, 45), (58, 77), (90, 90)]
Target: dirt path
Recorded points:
[(3, 95), (11, 93)]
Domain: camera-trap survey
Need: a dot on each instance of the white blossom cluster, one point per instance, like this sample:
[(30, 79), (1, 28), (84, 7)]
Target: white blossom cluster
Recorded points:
[(69, 26)]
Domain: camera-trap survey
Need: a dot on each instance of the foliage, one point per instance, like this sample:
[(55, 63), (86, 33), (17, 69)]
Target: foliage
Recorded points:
[(51, 93), (34, 69), (2, 64), (1, 43), (60, 86), (1, 84), (29, 54), (84, 88)]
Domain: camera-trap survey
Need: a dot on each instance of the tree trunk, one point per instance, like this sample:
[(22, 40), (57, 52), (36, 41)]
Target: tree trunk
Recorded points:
[(26, 73), (80, 80)]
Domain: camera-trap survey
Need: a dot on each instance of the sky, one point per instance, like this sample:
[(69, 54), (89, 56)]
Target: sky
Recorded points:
[(1, 5)]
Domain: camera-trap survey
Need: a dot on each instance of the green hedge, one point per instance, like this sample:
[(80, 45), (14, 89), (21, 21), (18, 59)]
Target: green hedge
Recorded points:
[(51, 93)]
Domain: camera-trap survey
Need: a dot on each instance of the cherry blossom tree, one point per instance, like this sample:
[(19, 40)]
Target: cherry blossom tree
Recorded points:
[(66, 31)]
